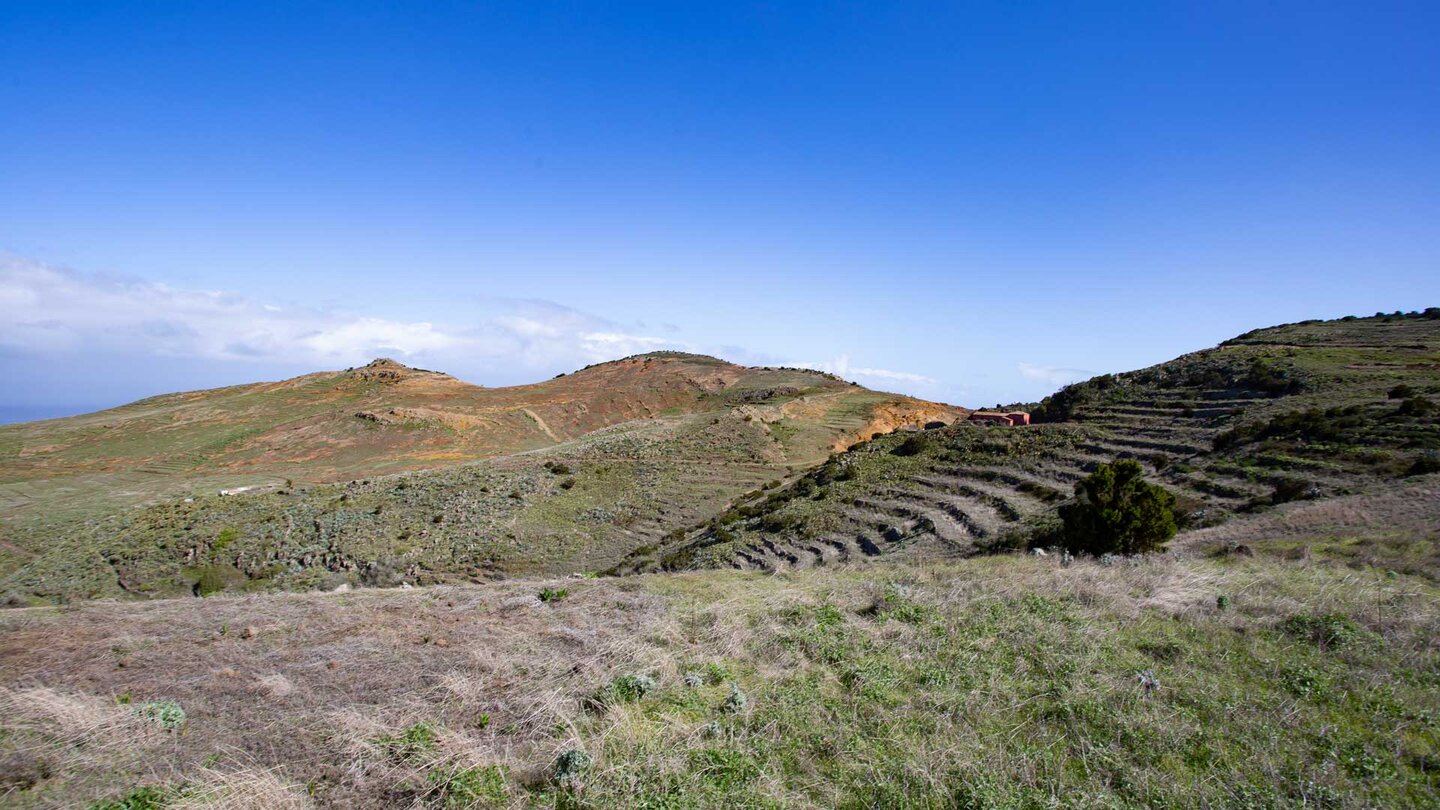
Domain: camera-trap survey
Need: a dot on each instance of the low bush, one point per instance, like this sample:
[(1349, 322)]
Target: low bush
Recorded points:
[(414, 743), (1329, 631), (1291, 489), (481, 786), (912, 446), (141, 798), (1426, 464), (572, 766), (165, 713), (1415, 406), (630, 688), (1313, 425)]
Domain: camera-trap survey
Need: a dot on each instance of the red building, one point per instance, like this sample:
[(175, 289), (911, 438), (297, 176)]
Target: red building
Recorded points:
[(1011, 419), (980, 417)]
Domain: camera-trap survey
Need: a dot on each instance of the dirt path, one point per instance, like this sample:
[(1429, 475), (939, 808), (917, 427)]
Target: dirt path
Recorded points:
[(541, 423)]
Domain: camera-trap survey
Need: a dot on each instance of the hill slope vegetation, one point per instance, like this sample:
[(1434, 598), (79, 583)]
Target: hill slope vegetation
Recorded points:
[(384, 474), (1282, 652), (1295, 412)]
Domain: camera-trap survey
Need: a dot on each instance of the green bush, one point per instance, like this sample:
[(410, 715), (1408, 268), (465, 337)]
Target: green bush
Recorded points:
[(210, 581), (1116, 511), (1270, 379), (572, 766), (913, 446), (553, 594), (1426, 464), (630, 688), (470, 787), (1416, 406), (1291, 489), (1313, 425), (141, 798), (166, 713), (1331, 630), (414, 743)]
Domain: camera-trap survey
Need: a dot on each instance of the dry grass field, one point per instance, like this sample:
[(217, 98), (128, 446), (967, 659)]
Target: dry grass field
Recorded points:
[(1276, 661)]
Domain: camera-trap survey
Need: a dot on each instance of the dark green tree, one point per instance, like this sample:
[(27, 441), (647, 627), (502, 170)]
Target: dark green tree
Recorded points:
[(1116, 511)]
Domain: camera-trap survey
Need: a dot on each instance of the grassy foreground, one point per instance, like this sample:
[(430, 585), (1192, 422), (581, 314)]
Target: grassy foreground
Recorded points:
[(1274, 661)]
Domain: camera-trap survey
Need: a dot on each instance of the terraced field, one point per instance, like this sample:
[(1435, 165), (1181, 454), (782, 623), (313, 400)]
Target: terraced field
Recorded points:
[(1297, 412)]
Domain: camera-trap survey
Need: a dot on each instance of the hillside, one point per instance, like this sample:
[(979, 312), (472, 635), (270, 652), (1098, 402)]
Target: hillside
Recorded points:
[(1292, 678), (1295, 412), (384, 473), (867, 654)]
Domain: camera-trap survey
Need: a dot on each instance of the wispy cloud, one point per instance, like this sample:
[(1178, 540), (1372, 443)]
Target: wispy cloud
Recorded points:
[(840, 366), (1054, 375), (47, 310)]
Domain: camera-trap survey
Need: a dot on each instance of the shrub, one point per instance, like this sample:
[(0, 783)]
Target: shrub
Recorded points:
[(913, 446), (469, 787), (781, 522), (630, 688), (572, 765), (556, 468), (1269, 379), (1061, 405), (210, 581), (553, 594), (1426, 464), (1401, 392), (735, 702), (411, 744), (141, 798), (226, 536), (1291, 489), (1116, 511), (1313, 425), (166, 713), (1331, 630), (1416, 406)]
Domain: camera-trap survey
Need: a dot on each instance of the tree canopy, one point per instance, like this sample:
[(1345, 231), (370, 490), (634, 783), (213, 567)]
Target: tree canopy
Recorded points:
[(1116, 511)]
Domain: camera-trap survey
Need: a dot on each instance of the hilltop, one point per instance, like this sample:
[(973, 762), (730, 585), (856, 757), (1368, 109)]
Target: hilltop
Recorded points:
[(385, 473)]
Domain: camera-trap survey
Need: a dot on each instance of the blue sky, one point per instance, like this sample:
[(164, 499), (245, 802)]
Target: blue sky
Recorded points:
[(972, 202)]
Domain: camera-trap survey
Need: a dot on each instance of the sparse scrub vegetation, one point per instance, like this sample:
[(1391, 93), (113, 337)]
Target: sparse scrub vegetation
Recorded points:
[(1281, 655), (822, 688)]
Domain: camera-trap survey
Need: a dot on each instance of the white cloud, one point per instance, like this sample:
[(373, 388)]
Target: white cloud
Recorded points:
[(49, 310), (840, 366), (611, 344), (1054, 375)]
